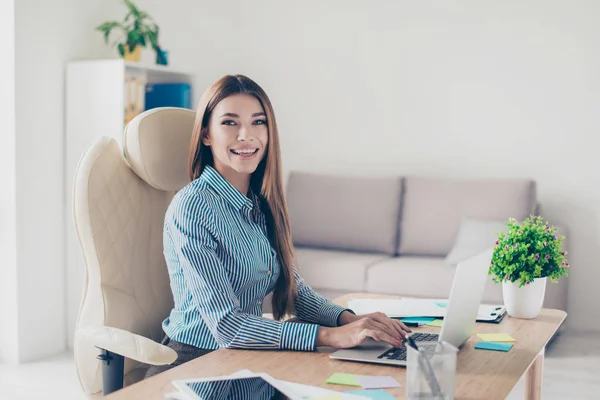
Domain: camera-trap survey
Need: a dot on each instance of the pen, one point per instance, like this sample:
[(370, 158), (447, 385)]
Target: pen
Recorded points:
[(427, 370)]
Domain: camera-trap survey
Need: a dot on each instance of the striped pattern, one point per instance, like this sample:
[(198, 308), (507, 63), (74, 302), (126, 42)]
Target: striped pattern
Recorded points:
[(221, 267)]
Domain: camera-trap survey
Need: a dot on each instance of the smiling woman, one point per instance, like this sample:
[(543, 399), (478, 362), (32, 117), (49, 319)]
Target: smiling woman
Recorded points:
[(239, 139), (227, 243)]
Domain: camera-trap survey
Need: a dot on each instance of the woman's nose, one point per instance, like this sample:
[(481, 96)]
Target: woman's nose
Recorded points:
[(244, 134)]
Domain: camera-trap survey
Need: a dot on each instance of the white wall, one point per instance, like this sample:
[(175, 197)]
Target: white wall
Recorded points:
[(476, 89), (47, 35), (8, 243)]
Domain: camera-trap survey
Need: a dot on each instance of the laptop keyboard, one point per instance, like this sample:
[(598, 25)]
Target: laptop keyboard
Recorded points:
[(400, 353)]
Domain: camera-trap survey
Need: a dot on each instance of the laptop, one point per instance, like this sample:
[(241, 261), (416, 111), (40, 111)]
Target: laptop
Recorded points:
[(465, 297)]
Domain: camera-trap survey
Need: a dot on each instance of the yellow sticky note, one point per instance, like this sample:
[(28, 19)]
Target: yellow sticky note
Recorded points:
[(436, 322), (496, 337), (342, 379)]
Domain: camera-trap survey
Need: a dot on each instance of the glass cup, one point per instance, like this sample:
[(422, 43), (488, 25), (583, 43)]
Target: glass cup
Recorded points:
[(431, 371)]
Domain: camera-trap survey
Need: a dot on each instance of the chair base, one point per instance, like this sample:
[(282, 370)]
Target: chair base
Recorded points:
[(112, 371)]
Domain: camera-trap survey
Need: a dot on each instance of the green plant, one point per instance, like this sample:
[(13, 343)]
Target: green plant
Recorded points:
[(137, 27), (527, 251)]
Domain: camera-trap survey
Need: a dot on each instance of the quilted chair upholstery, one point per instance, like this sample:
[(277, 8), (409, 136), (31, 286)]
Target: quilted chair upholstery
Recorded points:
[(120, 199)]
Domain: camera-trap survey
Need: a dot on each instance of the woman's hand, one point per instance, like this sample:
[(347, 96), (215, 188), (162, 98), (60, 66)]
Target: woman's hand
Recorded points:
[(377, 326), (392, 325)]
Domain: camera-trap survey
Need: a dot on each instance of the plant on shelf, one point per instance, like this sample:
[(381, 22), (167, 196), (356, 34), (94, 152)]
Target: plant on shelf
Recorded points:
[(138, 30), (523, 258)]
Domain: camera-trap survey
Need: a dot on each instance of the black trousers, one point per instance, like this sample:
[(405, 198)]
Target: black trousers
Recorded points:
[(185, 353)]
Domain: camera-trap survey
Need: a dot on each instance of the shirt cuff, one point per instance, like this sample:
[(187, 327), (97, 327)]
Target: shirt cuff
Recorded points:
[(298, 336), (329, 314)]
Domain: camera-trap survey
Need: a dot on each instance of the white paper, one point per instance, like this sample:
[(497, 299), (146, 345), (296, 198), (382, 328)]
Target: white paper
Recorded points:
[(377, 382), (307, 391), (398, 308)]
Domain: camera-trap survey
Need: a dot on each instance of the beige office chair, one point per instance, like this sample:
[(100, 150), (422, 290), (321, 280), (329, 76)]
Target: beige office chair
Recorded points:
[(120, 199)]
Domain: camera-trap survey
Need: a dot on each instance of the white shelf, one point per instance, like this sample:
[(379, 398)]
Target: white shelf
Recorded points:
[(155, 68)]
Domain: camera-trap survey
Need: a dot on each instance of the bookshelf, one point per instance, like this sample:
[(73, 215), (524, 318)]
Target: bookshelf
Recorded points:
[(101, 97)]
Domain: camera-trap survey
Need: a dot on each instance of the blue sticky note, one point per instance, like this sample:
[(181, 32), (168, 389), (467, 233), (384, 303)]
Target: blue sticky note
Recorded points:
[(442, 304), (497, 346), (378, 394), (418, 320)]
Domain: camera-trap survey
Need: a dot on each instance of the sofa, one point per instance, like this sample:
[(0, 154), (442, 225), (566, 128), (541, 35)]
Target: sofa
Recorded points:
[(402, 235)]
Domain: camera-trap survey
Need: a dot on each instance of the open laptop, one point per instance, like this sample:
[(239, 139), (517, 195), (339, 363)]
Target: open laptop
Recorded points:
[(459, 322)]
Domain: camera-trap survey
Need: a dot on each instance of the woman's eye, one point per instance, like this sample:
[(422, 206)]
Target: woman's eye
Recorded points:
[(228, 122), (260, 122)]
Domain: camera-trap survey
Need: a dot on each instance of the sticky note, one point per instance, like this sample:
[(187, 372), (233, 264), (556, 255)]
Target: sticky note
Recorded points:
[(442, 304), (343, 379), (377, 382), (436, 322), (417, 320), (372, 394), (496, 337), (494, 346)]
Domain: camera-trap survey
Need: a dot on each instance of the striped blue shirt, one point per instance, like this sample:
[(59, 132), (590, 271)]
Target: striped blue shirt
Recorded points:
[(221, 266)]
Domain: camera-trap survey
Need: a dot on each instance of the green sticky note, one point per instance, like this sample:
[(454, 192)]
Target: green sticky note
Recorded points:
[(379, 394), (418, 320), (436, 322), (342, 379), (494, 346)]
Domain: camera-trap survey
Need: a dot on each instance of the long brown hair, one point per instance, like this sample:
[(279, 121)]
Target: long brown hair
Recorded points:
[(266, 180)]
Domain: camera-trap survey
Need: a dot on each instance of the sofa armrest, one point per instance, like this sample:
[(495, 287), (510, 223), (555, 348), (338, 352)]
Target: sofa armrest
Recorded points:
[(556, 293), (129, 345)]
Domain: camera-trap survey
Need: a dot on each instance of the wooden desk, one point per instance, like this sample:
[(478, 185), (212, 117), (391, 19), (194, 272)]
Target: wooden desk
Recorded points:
[(480, 374)]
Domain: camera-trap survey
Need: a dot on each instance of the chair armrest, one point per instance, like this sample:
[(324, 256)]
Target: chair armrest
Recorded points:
[(129, 345)]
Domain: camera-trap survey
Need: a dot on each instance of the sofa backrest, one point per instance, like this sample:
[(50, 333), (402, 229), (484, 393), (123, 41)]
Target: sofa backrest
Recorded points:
[(398, 215), (344, 212), (432, 209)]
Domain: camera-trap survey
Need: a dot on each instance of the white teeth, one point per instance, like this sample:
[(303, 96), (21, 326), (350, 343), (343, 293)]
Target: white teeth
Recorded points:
[(244, 151)]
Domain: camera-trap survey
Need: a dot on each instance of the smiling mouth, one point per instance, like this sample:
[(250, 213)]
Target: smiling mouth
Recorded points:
[(245, 153)]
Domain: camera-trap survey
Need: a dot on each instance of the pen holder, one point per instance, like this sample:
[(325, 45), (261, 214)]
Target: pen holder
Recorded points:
[(434, 375)]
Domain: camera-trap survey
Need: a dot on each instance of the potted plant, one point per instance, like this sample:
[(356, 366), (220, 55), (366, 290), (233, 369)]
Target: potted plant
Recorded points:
[(138, 30), (523, 259)]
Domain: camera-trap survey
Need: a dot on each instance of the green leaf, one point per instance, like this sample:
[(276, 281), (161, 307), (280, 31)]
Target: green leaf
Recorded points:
[(121, 49), (108, 25), (133, 37), (132, 8)]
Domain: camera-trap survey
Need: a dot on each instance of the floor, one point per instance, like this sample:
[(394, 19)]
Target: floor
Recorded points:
[(571, 371)]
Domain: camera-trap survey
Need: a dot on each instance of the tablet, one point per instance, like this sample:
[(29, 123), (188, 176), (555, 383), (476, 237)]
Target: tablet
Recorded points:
[(257, 386)]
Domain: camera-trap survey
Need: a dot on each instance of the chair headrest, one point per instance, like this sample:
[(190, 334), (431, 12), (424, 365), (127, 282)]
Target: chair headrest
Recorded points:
[(156, 145)]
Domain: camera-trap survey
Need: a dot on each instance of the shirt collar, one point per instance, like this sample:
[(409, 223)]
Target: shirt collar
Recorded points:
[(226, 189)]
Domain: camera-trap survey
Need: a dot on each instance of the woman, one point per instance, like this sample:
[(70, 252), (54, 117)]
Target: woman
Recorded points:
[(227, 243)]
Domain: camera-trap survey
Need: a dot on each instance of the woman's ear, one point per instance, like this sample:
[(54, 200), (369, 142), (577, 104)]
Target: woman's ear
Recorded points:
[(204, 136)]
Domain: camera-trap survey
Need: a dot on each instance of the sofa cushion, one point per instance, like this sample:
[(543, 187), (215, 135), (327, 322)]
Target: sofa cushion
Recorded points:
[(344, 212), (433, 209), (335, 270), (474, 236), (421, 277)]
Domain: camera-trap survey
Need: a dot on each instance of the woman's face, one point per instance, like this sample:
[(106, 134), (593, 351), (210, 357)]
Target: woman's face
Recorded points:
[(237, 134)]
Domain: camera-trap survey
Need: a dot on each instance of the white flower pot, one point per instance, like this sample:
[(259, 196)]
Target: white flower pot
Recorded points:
[(526, 301)]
